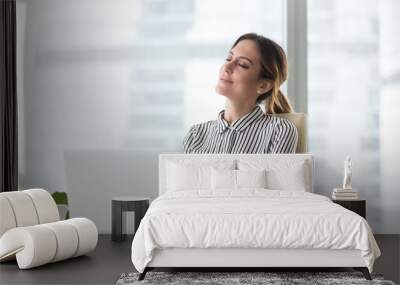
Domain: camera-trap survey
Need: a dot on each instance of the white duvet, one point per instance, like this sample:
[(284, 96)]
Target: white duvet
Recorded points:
[(251, 218)]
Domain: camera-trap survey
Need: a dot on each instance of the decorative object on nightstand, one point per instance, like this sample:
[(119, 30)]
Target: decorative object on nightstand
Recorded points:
[(357, 206), (346, 192), (139, 205), (347, 173)]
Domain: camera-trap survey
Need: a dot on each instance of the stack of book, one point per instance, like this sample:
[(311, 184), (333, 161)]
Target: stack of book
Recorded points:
[(344, 194)]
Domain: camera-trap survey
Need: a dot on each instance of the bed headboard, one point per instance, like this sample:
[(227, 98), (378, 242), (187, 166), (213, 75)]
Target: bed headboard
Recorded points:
[(272, 160)]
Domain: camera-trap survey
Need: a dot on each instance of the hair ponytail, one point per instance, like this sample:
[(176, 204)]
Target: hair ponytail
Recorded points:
[(277, 103)]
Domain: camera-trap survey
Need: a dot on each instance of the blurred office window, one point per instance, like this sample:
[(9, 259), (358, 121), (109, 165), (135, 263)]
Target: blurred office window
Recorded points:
[(180, 46), (353, 100)]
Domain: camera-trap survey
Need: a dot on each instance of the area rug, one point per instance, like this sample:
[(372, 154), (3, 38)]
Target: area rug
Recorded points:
[(269, 278)]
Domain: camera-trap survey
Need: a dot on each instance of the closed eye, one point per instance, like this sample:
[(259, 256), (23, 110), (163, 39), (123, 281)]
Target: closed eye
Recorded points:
[(240, 64)]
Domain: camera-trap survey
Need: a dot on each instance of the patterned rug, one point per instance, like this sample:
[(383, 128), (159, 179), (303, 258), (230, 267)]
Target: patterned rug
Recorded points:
[(270, 278)]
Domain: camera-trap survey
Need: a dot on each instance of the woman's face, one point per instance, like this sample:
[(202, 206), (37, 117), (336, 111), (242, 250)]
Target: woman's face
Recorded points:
[(239, 76)]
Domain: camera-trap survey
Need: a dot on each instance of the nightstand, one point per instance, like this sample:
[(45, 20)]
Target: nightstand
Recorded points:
[(357, 206), (139, 205)]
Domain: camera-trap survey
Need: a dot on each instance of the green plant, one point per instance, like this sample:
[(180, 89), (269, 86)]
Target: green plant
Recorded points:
[(61, 198)]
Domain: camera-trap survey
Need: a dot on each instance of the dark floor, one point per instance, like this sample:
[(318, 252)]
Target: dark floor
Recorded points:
[(110, 259)]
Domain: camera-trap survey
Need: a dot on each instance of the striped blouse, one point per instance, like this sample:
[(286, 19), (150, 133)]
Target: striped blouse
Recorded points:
[(252, 133)]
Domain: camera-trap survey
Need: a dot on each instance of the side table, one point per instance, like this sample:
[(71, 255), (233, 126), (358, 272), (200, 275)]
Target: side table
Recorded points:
[(357, 206), (139, 205)]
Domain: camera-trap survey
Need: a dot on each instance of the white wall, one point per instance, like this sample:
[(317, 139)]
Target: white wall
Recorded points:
[(390, 116), (75, 104), (353, 90)]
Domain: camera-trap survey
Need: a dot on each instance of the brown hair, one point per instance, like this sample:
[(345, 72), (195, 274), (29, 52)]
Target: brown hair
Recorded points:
[(274, 67)]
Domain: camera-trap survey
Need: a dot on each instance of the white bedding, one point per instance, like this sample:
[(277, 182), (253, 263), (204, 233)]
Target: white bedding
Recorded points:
[(250, 218)]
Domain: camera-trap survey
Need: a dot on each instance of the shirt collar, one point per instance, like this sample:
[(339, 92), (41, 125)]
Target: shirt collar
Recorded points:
[(242, 122)]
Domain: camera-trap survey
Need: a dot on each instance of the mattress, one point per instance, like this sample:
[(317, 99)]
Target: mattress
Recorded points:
[(251, 219)]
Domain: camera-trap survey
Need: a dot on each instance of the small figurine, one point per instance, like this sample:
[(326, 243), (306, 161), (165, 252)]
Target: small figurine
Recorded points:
[(347, 173)]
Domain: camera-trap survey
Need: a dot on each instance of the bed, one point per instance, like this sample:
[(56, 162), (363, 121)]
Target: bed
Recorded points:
[(245, 211)]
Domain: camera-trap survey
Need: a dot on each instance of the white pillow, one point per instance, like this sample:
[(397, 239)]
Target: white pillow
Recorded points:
[(185, 177), (223, 179), (282, 174), (237, 179), (193, 174), (251, 178), (293, 178)]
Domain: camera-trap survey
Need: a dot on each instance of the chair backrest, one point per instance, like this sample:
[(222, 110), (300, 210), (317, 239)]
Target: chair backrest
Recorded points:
[(300, 121), (26, 208)]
